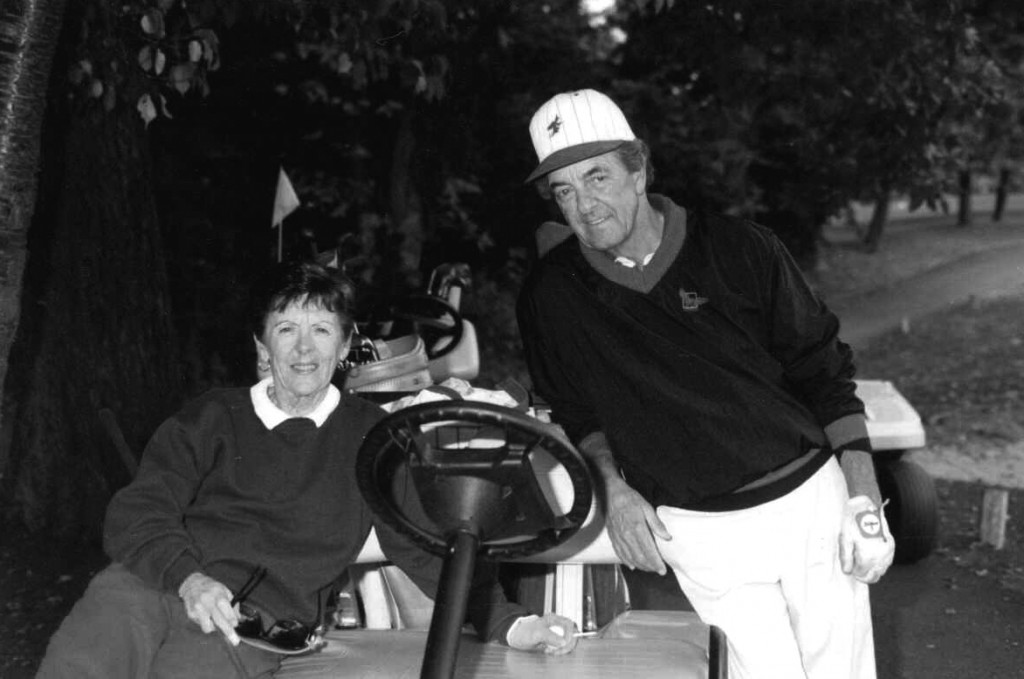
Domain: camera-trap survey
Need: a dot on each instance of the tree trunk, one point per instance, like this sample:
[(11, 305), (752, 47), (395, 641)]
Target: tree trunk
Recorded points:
[(964, 212), (1002, 190), (29, 33), (105, 338), (406, 206), (879, 218)]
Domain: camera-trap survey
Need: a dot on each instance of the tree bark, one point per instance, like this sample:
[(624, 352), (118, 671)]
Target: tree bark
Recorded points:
[(105, 336), (964, 212), (406, 206), (1002, 190), (29, 33), (879, 218)]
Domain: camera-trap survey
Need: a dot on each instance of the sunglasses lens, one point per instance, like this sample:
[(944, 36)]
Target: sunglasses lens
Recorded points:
[(249, 622), (288, 634)]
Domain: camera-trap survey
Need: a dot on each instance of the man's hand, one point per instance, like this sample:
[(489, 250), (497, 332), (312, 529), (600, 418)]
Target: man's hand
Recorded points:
[(551, 633), (866, 546), (208, 604), (631, 520)]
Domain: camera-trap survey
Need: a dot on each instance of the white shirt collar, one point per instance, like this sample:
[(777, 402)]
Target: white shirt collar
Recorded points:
[(271, 415), (629, 263)]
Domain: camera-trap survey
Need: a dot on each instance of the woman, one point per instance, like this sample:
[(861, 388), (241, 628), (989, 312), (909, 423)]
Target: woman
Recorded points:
[(252, 489)]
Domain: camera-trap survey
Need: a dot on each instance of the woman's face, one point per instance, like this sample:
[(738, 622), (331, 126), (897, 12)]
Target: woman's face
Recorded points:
[(303, 345)]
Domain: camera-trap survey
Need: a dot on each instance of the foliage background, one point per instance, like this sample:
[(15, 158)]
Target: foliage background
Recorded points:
[(402, 124)]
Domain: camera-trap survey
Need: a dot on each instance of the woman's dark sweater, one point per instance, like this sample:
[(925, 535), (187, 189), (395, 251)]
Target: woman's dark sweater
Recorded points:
[(218, 492)]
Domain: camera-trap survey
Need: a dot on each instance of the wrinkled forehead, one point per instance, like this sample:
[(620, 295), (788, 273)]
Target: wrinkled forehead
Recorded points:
[(578, 171)]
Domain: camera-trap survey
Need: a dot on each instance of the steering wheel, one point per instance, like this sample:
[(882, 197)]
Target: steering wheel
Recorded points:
[(437, 469), (435, 319)]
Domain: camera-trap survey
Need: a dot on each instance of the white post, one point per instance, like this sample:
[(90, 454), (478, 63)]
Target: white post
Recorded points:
[(994, 510)]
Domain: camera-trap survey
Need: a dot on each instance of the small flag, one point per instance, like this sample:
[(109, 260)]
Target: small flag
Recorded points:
[(286, 201)]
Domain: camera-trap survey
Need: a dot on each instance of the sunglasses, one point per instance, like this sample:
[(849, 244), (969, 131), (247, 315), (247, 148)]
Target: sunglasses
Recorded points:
[(284, 636)]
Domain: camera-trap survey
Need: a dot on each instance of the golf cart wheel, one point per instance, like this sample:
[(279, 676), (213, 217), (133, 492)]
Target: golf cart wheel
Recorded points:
[(913, 509)]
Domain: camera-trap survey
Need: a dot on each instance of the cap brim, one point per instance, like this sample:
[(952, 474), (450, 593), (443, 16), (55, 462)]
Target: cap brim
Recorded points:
[(573, 154)]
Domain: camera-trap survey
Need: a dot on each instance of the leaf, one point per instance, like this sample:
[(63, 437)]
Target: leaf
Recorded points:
[(344, 63), (359, 75), (211, 44), (109, 98), (181, 77), (153, 23), (163, 107), (159, 62), (146, 109), (146, 58), (96, 89), (435, 88), (195, 50), (79, 72)]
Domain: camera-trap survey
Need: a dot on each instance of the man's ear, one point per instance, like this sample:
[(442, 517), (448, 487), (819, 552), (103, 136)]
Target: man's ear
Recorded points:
[(640, 181)]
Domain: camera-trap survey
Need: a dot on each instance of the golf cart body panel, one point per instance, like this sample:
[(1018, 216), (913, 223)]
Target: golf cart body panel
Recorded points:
[(393, 653), (893, 424)]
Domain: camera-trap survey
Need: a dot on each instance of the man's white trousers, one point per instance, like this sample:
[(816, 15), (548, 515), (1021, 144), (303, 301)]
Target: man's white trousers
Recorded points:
[(770, 578)]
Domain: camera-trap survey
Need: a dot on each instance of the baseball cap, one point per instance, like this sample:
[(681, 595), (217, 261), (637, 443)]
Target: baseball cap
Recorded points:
[(574, 126)]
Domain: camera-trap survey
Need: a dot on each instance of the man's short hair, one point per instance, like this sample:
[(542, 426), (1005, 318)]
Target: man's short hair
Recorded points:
[(634, 155)]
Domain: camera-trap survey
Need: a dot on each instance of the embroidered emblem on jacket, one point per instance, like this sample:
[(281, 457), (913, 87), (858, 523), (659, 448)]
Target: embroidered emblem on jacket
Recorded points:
[(691, 300)]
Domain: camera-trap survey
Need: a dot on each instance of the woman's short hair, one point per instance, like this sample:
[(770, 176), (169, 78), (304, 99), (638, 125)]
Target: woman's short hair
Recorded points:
[(312, 284), (634, 154)]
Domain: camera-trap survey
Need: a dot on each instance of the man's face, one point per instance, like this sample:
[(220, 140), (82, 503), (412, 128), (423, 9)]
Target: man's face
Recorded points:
[(599, 198)]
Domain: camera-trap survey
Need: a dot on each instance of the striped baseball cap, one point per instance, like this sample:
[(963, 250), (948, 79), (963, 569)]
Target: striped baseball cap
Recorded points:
[(574, 126)]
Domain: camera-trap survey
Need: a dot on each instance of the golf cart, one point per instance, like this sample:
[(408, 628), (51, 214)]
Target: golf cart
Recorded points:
[(494, 481), (497, 481)]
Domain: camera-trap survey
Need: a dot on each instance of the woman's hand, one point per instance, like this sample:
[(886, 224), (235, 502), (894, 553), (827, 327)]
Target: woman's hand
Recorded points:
[(551, 633), (208, 604)]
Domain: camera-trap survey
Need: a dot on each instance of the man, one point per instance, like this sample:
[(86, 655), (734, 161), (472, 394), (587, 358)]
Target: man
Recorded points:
[(689, 361)]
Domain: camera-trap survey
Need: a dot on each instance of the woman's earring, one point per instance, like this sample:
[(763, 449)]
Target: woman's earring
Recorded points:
[(263, 366), (344, 364)]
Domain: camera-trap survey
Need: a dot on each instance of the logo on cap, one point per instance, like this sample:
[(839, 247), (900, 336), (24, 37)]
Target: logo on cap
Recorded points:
[(555, 125)]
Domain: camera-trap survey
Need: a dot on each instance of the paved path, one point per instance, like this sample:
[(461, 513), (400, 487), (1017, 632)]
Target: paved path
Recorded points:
[(990, 273), (996, 271)]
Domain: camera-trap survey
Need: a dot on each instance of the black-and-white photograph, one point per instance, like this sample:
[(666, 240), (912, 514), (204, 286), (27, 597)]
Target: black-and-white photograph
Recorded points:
[(558, 339)]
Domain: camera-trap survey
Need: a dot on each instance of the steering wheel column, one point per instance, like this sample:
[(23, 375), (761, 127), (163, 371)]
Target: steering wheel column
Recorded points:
[(473, 493)]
